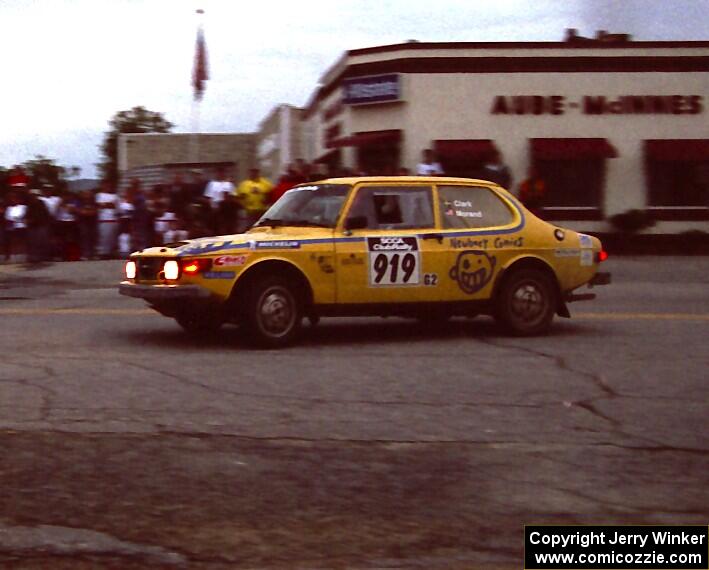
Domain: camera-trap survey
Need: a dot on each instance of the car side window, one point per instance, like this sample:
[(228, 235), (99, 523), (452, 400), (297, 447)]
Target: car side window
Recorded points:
[(464, 207), (394, 207)]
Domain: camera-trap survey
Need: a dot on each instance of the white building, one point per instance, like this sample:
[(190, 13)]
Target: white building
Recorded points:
[(611, 124)]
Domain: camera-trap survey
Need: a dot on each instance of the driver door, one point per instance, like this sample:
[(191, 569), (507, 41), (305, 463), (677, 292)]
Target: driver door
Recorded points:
[(394, 253)]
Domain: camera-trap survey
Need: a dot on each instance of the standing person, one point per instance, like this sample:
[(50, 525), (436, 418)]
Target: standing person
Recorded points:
[(285, 183), (178, 194), (52, 201), (495, 170), (228, 215), (16, 227), (87, 216), (253, 194), (68, 232), (532, 192), (38, 221), (3, 231), (107, 206), (218, 187), (428, 165)]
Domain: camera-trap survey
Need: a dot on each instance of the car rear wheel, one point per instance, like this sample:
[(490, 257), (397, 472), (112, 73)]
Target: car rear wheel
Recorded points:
[(272, 312), (526, 302)]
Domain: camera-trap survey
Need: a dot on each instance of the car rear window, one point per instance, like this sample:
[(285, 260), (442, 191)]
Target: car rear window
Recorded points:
[(465, 207)]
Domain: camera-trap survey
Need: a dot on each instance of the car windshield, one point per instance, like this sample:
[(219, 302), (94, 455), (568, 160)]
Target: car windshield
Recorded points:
[(316, 205)]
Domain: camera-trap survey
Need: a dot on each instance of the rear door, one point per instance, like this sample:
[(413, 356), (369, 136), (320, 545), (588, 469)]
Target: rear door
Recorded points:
[(482, 232)]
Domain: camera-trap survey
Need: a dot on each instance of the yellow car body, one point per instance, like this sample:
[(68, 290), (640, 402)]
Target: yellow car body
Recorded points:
[(447, 249)]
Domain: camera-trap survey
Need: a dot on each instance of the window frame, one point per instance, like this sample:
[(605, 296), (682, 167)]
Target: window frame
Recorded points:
[(392, 186)]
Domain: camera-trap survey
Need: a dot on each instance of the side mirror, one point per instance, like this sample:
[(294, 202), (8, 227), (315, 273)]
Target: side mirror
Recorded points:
[(356, 223)]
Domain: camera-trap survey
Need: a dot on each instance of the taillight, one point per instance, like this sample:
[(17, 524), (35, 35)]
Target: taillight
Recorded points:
[(195, 266), (601, 256)]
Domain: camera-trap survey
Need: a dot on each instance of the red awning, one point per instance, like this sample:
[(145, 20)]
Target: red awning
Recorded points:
[(329, 156), (693, 150), (367, 138), (570, 149), (470, 149)]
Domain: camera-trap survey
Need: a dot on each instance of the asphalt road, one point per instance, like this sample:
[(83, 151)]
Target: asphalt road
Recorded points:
[(372, 444)]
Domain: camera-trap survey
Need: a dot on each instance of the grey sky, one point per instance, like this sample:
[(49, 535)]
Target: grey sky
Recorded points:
[(69, 65)]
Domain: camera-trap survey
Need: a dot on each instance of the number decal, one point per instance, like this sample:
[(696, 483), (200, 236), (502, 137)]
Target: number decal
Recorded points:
[(393, 261), (380, 267), (430, 280)]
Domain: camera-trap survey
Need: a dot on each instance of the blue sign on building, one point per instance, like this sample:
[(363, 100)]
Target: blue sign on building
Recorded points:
[(372, 89)]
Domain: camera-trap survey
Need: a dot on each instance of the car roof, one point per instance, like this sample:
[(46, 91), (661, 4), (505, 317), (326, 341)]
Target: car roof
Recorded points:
[(399, 179)]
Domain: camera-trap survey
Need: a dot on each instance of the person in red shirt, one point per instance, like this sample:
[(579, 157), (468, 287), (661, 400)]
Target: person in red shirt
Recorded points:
[(532, 192), (285, 183)]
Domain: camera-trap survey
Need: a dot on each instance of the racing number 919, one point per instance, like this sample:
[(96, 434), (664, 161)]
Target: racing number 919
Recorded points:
[(394, 269)]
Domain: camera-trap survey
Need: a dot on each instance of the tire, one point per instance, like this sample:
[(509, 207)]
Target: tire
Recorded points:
[(273, 311), (526, 302), (198, 323)]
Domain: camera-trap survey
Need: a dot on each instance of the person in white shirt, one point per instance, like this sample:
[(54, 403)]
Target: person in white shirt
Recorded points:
[(429, 167), (107, 204), (216, 188), (16, 227)]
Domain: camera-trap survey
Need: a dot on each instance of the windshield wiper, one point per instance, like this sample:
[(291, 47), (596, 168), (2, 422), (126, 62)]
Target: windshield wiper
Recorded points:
[(306, 223), (273, 222), (280, 222)]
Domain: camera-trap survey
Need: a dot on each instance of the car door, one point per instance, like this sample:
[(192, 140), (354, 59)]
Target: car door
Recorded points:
[(482, 231), (389, 249)]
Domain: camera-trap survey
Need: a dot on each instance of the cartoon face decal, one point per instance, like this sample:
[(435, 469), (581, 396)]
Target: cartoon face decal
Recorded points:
[(473, 270)]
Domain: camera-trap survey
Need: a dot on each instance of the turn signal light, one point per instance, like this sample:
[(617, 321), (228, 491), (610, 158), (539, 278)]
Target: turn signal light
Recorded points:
[(194, 266)]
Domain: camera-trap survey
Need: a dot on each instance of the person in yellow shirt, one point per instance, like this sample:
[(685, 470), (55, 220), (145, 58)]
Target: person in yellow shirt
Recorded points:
[(254, 193)]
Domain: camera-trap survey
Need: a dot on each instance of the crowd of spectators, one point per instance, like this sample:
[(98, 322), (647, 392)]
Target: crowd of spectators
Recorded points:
[(47, 224)]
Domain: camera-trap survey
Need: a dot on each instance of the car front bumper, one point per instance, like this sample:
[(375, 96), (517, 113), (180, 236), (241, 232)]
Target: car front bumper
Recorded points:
[(162, 292)]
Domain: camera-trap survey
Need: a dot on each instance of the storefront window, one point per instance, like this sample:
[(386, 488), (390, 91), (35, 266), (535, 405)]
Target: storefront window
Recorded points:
[(677, 174), (572, 183), (573, 172), (465, 207)]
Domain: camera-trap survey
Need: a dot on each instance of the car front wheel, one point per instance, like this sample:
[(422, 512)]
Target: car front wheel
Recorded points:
[(273, 312), (526, 302)]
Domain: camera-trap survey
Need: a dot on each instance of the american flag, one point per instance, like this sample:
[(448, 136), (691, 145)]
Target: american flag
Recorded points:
[(200, 72)]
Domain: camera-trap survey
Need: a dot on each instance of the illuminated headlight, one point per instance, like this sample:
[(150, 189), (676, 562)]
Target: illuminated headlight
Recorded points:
[(131, 270), (171, 269)]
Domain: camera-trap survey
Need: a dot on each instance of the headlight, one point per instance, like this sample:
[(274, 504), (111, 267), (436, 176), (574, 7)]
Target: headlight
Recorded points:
[(171, 270), (131, 270)]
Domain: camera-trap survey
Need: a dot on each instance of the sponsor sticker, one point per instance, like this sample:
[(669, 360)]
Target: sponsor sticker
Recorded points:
[(219, 275), (567, 252), (275, 244), (230, 260), (585, 241), (394, 261), (473, 270), (586, 258)]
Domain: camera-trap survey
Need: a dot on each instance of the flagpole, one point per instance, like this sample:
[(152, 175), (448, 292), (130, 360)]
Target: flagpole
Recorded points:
[(198, 83)]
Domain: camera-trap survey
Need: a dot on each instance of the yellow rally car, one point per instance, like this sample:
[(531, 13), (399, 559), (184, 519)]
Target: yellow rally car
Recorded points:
[(428, 248)]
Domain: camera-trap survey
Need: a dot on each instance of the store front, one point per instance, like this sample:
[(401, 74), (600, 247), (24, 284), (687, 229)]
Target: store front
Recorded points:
[(611, 124)]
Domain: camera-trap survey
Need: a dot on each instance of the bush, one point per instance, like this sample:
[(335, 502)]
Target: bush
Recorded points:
[(632, 221)]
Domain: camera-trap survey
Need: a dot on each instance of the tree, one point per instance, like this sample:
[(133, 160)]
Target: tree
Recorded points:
[(136, 120), (42, 170)]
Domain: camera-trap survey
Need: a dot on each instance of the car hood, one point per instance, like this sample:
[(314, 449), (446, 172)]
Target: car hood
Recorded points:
[(261, 238)]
